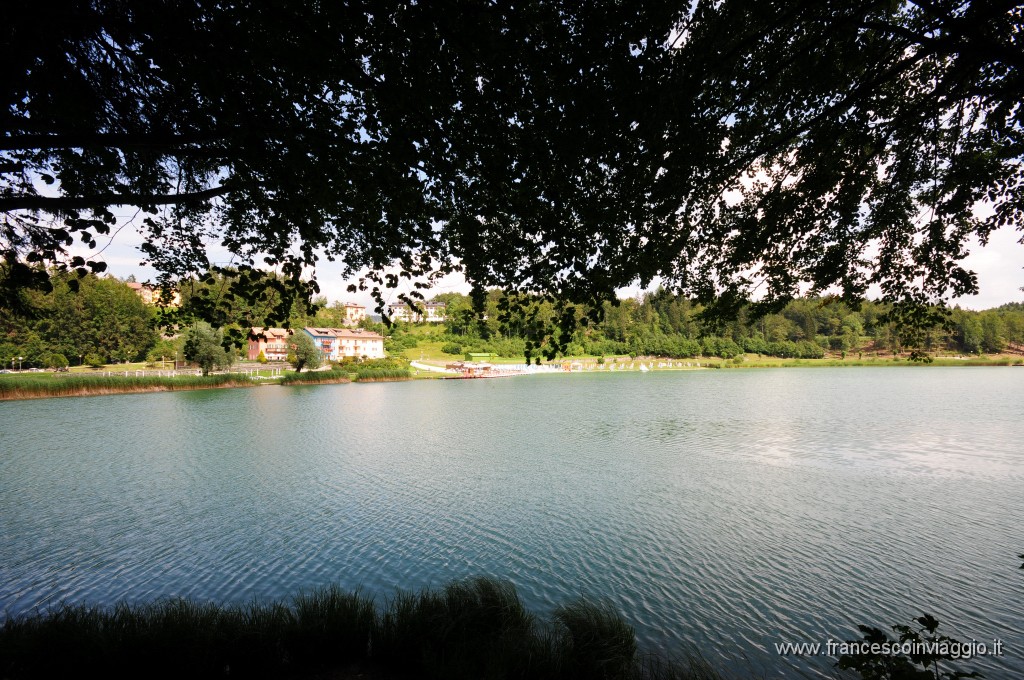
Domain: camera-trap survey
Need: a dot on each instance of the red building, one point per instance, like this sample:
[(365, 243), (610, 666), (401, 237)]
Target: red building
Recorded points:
[(273, 342)]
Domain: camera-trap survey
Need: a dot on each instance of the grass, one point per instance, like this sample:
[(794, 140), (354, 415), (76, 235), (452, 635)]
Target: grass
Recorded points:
[(476, 628), (430, 350), (41, 385)]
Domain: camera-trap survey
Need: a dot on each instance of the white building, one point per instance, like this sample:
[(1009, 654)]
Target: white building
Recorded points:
[(338, 343), (354, 313), (433, 312)]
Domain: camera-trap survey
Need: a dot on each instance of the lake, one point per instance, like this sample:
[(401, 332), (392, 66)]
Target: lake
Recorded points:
[(727, 511)]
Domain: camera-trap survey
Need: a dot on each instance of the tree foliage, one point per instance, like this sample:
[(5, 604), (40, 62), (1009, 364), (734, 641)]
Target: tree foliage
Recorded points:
[(102, 316), (554, 148), (304, 351), (918, 653), (203, 346), (664, 324)]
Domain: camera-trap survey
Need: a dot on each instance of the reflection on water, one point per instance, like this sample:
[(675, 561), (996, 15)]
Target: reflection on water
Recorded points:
[(725, 509)]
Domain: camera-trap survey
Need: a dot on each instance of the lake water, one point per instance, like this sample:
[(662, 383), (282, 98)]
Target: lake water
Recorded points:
[(722, 510)]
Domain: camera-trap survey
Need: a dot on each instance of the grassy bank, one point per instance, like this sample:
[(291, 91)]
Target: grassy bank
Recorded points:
[(43, 385), (476, 628)]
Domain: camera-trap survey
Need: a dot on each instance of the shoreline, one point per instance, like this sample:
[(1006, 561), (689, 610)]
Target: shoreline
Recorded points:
[(130, 385)]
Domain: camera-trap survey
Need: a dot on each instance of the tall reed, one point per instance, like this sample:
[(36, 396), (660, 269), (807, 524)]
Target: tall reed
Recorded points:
[(476, 628), (57, 385), (372, 374), (315, 377)]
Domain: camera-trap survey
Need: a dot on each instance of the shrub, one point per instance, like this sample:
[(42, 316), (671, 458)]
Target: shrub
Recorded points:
[(262, 358), (574, 349), (203, 346), (400, 341), (451, 348)]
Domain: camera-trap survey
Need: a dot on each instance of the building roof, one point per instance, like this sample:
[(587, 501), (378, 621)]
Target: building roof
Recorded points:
[(260, 331), (343, 333)]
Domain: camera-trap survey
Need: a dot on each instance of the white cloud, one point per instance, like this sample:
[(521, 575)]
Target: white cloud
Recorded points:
[(1000, 270)]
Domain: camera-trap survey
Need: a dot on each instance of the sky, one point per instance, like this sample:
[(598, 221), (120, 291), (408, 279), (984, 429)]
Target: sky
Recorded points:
[(999, 266)]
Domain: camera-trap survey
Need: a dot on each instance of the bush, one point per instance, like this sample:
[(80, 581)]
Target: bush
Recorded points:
[(203, 346), (262, 358), (755, 345), (451, 348), (809, 350), (574, 349), (94, 360), (720, 347), (399, 341), (54, 360)]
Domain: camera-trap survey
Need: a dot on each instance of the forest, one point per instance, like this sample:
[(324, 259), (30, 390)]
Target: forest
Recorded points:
[(662, 324)]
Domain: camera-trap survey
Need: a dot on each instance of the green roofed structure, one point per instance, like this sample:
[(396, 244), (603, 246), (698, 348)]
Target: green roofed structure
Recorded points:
[(480, 356)]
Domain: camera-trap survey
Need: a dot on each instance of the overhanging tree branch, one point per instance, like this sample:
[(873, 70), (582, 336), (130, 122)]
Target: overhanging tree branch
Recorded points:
[(66, 203), (120, 141)]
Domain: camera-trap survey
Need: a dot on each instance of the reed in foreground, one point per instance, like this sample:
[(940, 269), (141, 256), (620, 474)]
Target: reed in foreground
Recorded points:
[(315, 377), (372, 374), (50, 385), (477, 628)]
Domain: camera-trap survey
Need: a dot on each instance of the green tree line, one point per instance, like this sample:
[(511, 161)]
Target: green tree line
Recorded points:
[(660, 323), (104, 321)]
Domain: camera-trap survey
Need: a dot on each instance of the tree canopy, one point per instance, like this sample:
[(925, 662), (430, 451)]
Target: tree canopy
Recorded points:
[(728, 148), (103, 318), (203, 346), (304, 352)]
